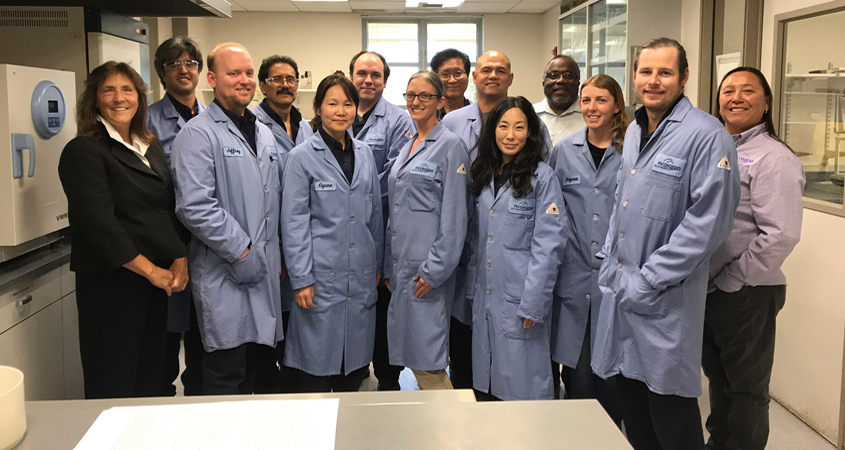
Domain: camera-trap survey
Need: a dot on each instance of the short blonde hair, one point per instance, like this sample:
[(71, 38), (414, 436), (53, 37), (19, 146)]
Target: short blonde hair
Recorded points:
[(212, 55)]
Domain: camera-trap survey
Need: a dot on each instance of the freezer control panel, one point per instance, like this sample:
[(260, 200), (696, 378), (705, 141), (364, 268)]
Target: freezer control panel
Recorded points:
[(48, 109)]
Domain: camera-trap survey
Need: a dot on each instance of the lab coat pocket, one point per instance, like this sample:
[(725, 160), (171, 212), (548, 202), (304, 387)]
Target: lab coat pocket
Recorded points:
[(369, 202), (517, 233), (512, 323), (641, 298), (661, 197), (369, 285), (421, 195), (250, 269), (413, 267), (323, 290)]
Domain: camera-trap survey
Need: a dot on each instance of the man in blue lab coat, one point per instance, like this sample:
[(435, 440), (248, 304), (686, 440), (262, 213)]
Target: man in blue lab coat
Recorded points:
[(178, 63), (675, 203), (228, 195), (385, 129)]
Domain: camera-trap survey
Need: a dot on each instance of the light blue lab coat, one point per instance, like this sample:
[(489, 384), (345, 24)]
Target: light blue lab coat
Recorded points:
[(519, 246), (425, 236), (589, 202), (466, 123), (334, 240), (387, 130), (165, 122), (675, 205), (284, 143), (227, 197)]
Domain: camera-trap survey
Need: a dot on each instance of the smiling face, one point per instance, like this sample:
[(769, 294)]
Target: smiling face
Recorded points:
[(511, 133), (492, 75), (455, 79), (117, 102), (658, 80), (181, 80), (561, 92), (368, 78), (742, 102), (337, 112), (422, 111), (233, 79), (598, 107), (282, 92)]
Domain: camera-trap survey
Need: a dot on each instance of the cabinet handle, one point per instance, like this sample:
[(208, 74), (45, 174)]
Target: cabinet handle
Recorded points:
[(24, 300)]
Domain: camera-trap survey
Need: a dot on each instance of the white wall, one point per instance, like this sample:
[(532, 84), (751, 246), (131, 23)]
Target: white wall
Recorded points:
[(807, 375), (323, 42), (691, 40)]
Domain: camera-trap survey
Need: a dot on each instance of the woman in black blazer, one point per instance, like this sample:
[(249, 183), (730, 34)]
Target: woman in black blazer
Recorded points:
[(127, 245)]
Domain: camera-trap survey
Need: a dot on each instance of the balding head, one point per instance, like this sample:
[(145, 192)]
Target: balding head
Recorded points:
[(494, 55), (492, 77), (232, 76), (226, 46)]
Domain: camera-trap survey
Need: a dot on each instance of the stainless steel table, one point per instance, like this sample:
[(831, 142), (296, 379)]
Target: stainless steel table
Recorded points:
[(382, 420)]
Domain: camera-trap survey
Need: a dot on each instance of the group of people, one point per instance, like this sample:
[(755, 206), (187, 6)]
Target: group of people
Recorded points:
[(498, 239)]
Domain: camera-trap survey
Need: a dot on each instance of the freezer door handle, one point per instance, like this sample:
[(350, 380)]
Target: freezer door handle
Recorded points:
[(20, 142)]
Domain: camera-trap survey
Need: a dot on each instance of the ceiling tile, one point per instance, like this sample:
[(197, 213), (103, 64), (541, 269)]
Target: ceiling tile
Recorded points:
[(375, 5), (533, 7), (267, 5), (323, 6), (486, 7)]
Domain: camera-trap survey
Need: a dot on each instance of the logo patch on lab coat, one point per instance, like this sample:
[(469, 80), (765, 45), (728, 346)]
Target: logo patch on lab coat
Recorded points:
[(408, 134), (569, 180), (552, 209), (325, 186), (462, 169), (724, 164), (424, 168), (375, 139), (670, 165), (232, 152), (521, 206)]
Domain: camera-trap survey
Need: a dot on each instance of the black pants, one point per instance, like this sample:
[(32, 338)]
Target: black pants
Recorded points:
[(737, 358), (460, 354), (273, 376), (582, 383), (485, 396), (122, 334), (387, 374), (232, 371), (192, 375), (658, 422), (333, 383)]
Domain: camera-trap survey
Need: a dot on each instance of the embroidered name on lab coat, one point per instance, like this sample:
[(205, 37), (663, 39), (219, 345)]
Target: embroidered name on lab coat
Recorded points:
[(670, 165), (744, 161), (424, 168), (724, 164), (325, 186), (521, 206), (569, 180), (232, 152), (375, 139)]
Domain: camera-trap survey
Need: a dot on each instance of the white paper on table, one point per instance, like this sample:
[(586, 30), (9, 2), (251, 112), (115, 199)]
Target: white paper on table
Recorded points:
[(252, 424)]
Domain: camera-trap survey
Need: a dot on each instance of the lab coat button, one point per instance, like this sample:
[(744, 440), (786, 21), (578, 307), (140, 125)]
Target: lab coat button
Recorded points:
[(351, 245), (351, 192), (620, 265), (489, 238), (352, 219), (633, 171), (588, 296), (595, 244), (491, 212), (395, 206), (488, 291), (161, 211), (596, 190), (614, 295), (351, 272), (595, 217), (267, 216), (625, 203), (488, 265), (621, 235), (593, 271), (348, 298)]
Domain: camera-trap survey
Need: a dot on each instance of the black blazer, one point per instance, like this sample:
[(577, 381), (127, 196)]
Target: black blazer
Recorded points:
[(117, 206)]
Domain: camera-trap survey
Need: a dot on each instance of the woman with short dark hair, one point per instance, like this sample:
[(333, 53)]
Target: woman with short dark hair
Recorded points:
[(518, 248), (128, 252)]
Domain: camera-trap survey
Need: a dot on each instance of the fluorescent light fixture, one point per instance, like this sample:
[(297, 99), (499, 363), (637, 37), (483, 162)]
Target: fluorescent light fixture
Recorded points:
[(433, 4), (617, 2), (318, 1)]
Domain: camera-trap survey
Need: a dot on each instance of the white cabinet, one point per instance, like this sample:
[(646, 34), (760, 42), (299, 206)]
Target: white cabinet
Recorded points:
[(35, 347)]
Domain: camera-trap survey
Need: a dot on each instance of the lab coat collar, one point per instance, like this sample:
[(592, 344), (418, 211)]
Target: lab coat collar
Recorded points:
[(319, 145), (379, 110), (219, 115), (579, 140), (432, 136)]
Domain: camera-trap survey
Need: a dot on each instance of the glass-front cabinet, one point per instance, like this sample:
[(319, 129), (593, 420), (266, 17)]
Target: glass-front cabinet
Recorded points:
[(811, 107), (595, 35)]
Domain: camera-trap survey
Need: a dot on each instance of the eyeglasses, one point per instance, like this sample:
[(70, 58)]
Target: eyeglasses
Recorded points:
[(424, 96), (444, 76), (175, 65), (281, 81), (554, 76)]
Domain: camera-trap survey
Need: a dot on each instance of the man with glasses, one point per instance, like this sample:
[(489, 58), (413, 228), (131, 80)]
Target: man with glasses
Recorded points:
[(178, 62), (278, 79), (560, 110), (452, 66)]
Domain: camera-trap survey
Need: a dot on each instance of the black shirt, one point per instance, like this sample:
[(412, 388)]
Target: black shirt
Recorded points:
[(295, 118), (345, 156), (186, 112), (499, 179), (642, 120), (245, 124), (441, 113), (360, 121), (598, 153)]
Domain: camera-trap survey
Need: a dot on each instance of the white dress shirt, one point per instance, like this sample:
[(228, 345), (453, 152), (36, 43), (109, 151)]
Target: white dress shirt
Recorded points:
[(560, 126), (138, 146)]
